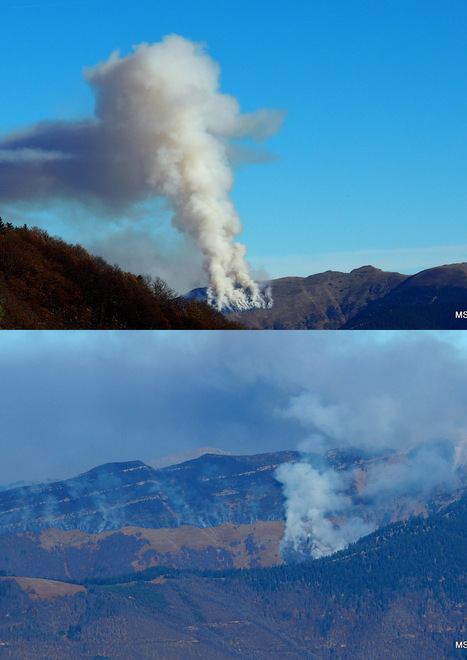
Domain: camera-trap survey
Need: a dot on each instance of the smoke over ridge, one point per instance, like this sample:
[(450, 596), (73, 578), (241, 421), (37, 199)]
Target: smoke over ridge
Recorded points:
[(162, 128), (370, 457)]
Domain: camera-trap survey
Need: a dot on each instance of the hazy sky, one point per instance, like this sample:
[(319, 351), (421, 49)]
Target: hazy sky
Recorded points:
[(72, 400), (370, 163)]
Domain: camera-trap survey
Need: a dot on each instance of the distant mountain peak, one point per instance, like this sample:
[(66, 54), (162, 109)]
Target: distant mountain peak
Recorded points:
[(190, 454), (366, 269)]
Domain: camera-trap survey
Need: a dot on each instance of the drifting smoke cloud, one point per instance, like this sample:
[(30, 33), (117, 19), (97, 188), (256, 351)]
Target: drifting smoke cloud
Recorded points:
[(328, 509), (405, 446), (162, 128)]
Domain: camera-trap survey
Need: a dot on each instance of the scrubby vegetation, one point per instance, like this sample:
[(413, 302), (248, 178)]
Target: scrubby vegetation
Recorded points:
[(46, 283)]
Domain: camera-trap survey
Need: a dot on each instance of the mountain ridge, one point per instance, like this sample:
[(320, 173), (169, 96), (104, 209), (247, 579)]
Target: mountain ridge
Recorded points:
[(112, 495), (366, 298), (214, 511)]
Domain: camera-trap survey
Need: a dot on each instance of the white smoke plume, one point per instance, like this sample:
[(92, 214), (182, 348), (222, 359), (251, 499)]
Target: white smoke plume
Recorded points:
[(397, 458), (313, 498), (326, 509), (162, 128)]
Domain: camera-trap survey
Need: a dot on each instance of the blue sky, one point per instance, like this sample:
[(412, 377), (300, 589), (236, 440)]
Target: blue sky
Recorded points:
[(370, 161), (72, 400)]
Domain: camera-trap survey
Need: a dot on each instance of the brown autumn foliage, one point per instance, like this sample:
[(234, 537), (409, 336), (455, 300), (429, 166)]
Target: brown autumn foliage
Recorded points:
[(46, 283)]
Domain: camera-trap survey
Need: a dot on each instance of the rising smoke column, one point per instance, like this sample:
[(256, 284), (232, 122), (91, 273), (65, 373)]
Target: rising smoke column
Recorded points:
[(168, 94), (313, 496), (162, 128), (326, 509)]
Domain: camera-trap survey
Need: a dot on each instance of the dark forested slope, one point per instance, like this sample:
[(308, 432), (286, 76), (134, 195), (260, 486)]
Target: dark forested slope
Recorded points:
[(46, 283)]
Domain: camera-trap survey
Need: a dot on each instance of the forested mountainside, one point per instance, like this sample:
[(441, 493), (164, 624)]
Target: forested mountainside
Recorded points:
[(397, 593), (46, 283)]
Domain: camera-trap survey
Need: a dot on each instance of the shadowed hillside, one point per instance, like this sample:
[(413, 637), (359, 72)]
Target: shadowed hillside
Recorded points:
[(46, 283), (427, 300)]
